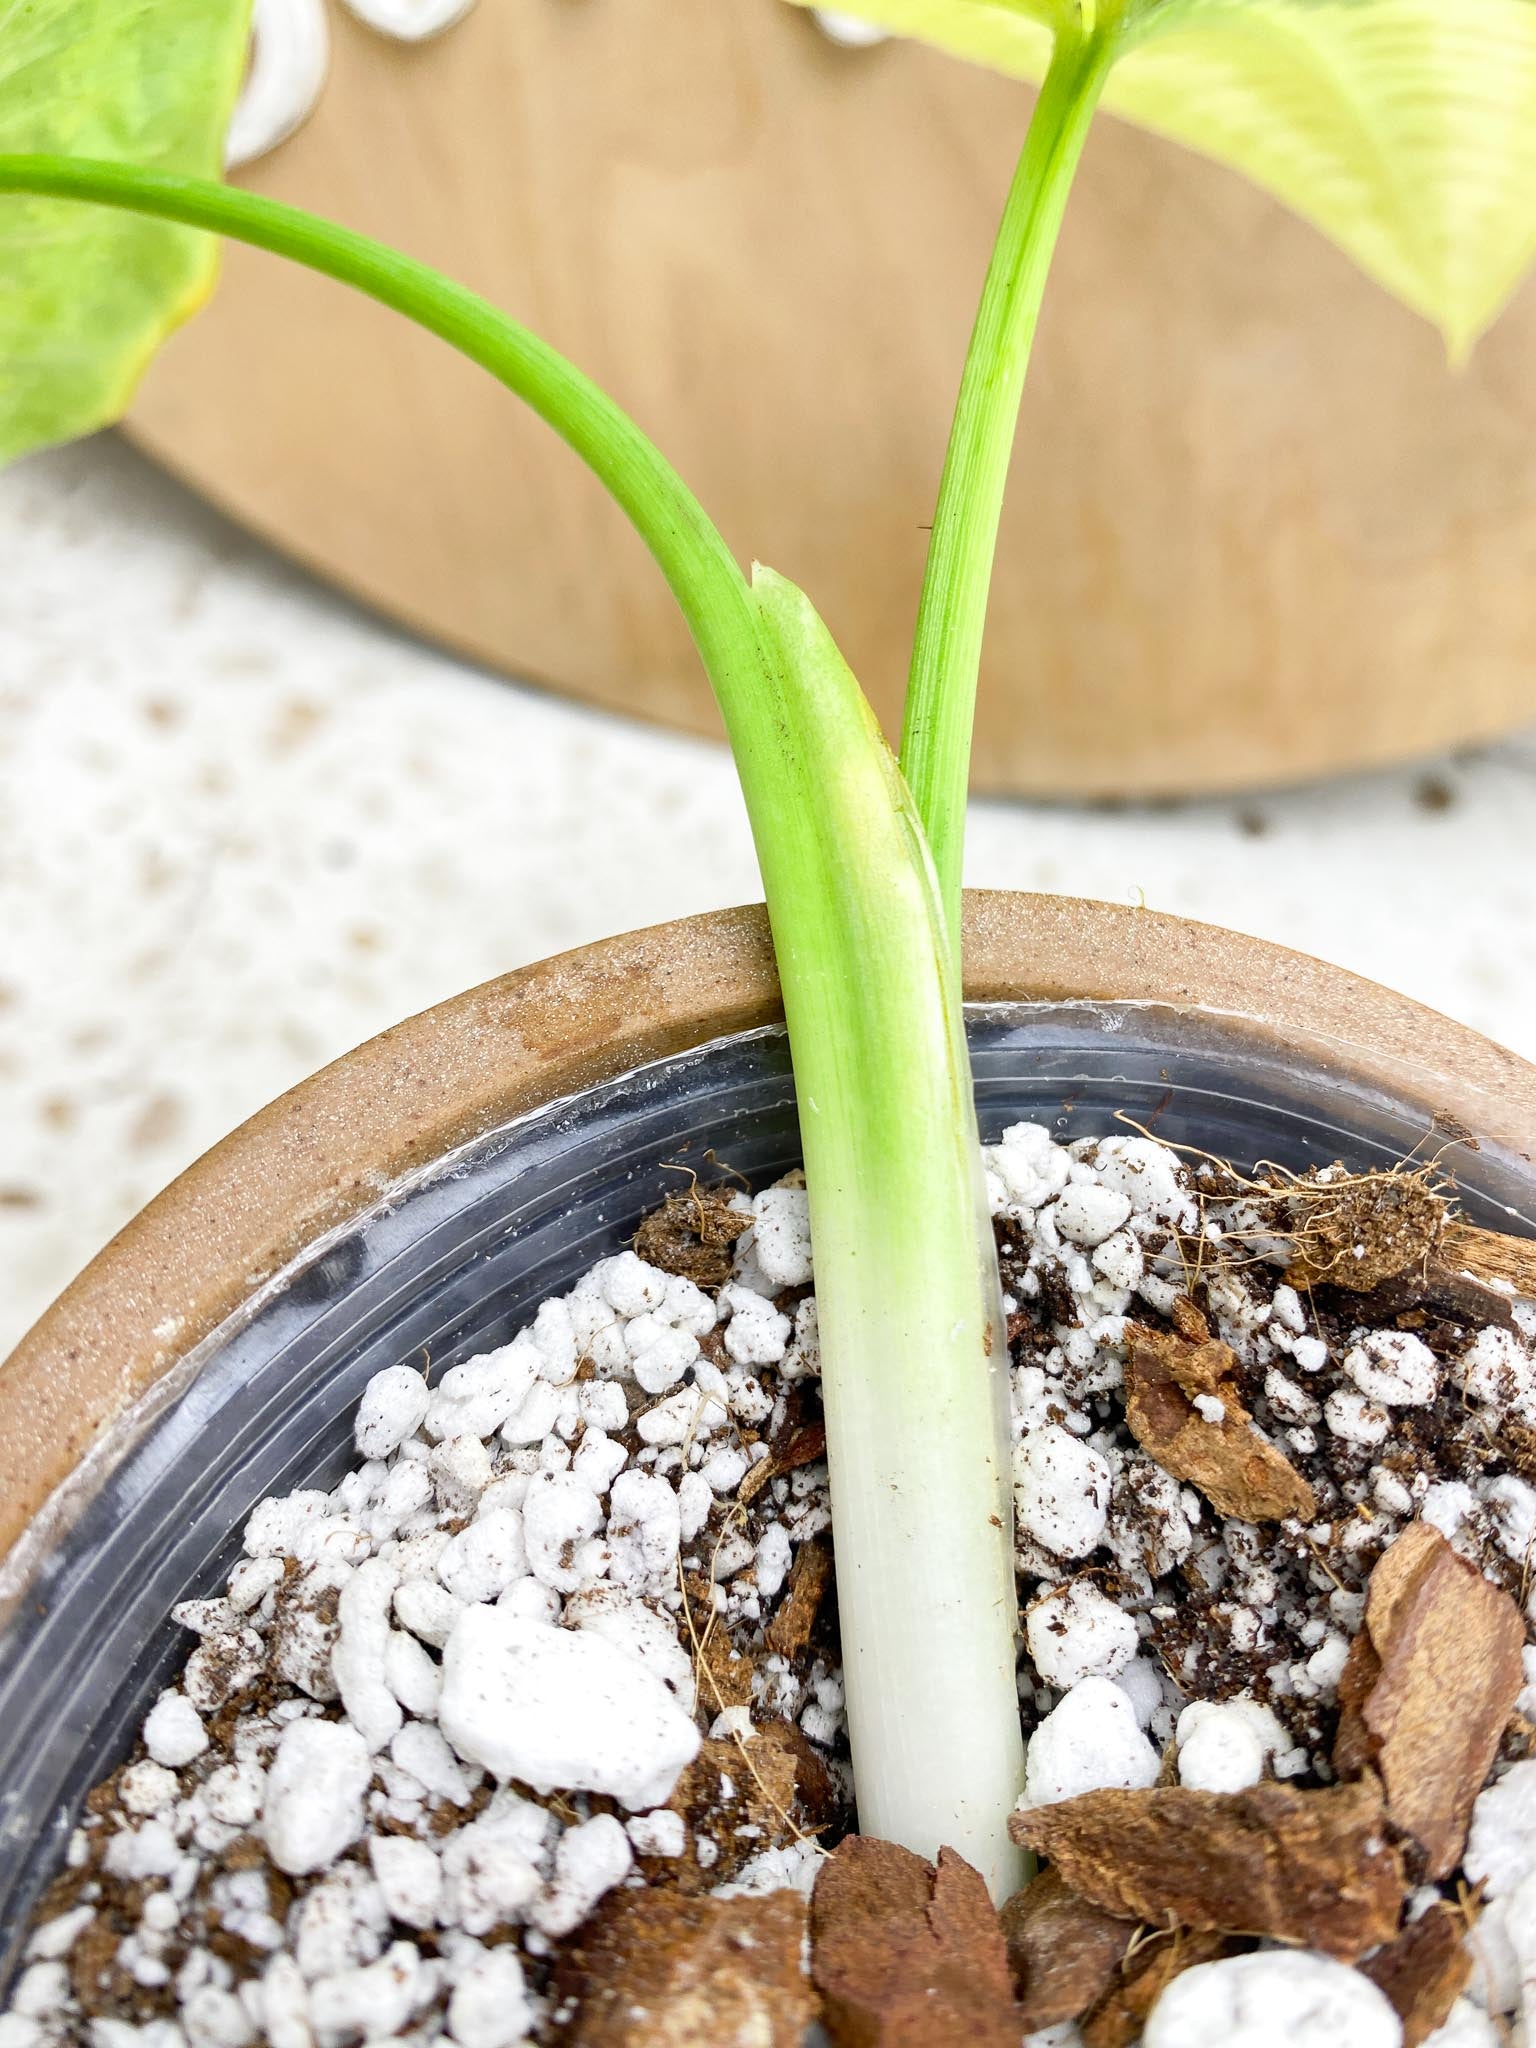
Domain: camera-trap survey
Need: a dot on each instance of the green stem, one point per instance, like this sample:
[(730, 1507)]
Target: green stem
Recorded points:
[(946, 654), (912, 1353), (698, 566)]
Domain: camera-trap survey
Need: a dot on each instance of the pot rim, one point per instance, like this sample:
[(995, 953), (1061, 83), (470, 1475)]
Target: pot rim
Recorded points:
[(337, 1143)]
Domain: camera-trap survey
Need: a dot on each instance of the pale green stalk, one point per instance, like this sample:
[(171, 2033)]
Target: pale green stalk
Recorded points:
[(952, 612), (913, 1349), (912, 1339)]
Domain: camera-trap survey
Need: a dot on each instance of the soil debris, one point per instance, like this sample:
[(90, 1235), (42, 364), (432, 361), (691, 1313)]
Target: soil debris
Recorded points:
[(1064, 1952), (1312, 1867), (1357, 1230), (1170, 1384), (738, 1796), (1424, 1971), (1428, 1689), (906, 1955), (653, 1970), (694, 1234)]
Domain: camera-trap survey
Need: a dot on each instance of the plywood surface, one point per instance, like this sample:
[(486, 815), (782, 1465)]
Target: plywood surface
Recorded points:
[(1257, 530)]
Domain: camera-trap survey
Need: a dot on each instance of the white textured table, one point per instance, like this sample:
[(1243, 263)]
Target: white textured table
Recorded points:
[(243, 826)]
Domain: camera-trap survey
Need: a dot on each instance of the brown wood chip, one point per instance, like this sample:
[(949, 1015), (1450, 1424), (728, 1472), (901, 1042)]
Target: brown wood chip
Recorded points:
[(1121, 2014), (654, 1970), (1424, 1971), (906, 1955), (809, 1577), (1239, 1472), (1064, 1952), (1313, 1867), (1491, 1255), (1428, 1689), (799, 1446)]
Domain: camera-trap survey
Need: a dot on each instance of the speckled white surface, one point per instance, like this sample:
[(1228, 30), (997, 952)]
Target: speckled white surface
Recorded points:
[(243, 826)]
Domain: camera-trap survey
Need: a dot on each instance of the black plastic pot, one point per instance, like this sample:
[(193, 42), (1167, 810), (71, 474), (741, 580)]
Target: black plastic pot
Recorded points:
[(453, 1265)]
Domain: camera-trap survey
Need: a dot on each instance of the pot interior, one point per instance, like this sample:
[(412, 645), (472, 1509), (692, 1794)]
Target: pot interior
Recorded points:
[(453, 1264)]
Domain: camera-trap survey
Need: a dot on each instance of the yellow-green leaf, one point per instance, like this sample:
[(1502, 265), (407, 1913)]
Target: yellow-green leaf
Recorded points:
[(1404, 129), (87, 295)]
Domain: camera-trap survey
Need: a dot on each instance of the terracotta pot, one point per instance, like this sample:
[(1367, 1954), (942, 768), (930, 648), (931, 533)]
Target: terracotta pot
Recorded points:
[(1257, 530), (422, 1194)]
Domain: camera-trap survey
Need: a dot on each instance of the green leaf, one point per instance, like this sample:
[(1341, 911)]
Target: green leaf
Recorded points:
[(1403, 129), (86, 296)]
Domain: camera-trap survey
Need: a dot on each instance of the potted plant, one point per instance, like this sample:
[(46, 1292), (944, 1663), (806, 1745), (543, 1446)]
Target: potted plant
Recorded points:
[(1124, 1392)]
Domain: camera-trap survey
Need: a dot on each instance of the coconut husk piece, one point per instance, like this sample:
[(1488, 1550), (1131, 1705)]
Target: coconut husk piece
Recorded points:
[(1064, 1951), (1307, 1866), (1428, 1689), (906, 1954), (1239, 1471), (1424, 1971), (652, 1969)]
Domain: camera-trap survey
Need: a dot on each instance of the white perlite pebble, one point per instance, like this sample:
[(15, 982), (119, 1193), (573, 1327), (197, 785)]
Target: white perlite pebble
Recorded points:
[(374, 2001), (393, 1407), (1087, 1214), (630, 1285), (1079, 1632), (174, 1731), (428, 1610), (214, 2018), (460, 1470), (560, 1514), (410, 1877), (1497, 1368), (561, 1710), (146, 1851), (663, 1833), (357, 1660), (147, 1787), (1466, 2028), (756, 1334), (1501, 1847), (781, 1236), (1394, 1367), (1142, 1684), (1061, 1491), (1029, 1165), (1279, 1998), (314, 1803), (411, 1675), (589, 1861), (1087, 1743), (1358, 1420), (484, 1559), (489, 2007), (644, 1529), (1220, 1750)]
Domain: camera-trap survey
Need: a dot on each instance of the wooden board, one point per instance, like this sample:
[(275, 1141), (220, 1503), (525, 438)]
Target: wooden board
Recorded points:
[(1257, 530)]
